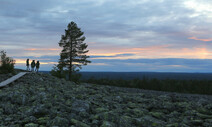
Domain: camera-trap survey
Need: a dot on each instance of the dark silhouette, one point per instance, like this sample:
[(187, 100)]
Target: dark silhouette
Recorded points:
[(32, 65), (27, 64), (6, 63), (37, 66), (73, 55), (171, 85)]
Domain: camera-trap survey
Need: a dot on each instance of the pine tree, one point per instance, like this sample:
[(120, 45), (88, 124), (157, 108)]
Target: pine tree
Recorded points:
[(73, 54)]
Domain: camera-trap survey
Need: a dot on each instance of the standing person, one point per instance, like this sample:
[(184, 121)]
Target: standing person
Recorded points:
[(37, 66), (27, 64), (32, 65)]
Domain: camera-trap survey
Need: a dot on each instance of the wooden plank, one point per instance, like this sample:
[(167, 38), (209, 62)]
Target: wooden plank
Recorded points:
[(12, 79)]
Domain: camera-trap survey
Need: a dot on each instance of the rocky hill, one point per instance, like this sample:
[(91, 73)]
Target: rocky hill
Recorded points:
[(39, 100)]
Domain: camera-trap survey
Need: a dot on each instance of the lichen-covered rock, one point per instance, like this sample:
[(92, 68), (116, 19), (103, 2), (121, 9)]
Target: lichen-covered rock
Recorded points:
[(43, 120), (80, 106), (126, 121), (78, 123), (39, 100), (107, 124), (31, 125), (58, 121), (151, 121)]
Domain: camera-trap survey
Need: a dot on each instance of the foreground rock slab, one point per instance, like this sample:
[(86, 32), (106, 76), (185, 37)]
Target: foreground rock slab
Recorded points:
[(38, 100)]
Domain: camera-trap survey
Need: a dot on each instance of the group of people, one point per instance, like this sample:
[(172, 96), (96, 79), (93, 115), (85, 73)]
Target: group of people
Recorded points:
[(33, 65)]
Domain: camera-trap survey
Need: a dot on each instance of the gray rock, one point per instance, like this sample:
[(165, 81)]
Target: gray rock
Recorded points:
[(58, 121), (80, 106)]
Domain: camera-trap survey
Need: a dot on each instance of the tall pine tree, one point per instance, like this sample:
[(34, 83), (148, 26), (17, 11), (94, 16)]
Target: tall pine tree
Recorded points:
[(73, 55)]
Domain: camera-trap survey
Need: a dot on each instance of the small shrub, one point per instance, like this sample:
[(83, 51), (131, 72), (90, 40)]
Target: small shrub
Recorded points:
[(6, 63), (58, 71)]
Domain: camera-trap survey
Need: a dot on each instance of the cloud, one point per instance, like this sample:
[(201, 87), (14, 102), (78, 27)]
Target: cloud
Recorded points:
[(141, 64), (195, 38), (155, 65), (110, 56), (133, 29), (42, 49)]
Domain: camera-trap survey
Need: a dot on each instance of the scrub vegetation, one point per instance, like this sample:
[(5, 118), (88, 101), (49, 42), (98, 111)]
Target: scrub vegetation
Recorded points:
[(6, 63)]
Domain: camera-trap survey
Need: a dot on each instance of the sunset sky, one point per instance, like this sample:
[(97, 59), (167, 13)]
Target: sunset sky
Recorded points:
[(122, 35)]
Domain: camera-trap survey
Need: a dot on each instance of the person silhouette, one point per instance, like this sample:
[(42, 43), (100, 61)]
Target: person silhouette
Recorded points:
[(27, 64), (37, 66), (32, 65)]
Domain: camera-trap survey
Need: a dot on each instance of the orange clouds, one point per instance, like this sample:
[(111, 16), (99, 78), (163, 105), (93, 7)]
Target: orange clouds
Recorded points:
[(155, 52), (195, 38), (42, 49), (20, 61), (23, 61)]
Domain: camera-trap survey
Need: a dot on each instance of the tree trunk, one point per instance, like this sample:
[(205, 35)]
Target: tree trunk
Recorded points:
[(70, 74), (70, 68)]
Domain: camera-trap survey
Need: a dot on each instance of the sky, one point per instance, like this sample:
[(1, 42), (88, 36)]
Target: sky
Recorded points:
[(123, 36)]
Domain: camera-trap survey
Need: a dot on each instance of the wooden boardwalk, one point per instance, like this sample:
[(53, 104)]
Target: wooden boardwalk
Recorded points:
[(12, 79)]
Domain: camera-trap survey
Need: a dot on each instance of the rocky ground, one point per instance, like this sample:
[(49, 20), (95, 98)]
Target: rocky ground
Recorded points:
[(38, 100), (5, 76)]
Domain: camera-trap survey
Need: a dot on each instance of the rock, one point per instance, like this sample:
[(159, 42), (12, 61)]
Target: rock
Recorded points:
[(58, 121), (118, 99), (95, 122), (43, 120), (202, 102), (29, 119), (109, 116), (125, 121), (207, 122), (31, 125), (206, 111), (41, 79), (132, 105), (80, 106), (138, 112), (157, 114), (8, 119), (9, 108), (203, 116), (78, 123), (197, 122), (148, 120), (107, 124), (172, 125), (100, 109), (38, 111)]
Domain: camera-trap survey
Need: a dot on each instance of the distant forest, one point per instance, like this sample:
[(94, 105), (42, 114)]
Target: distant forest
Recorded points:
[(194, 83), (149, 75)]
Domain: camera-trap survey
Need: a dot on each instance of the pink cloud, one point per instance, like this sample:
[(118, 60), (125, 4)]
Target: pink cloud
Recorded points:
[(195, 38)]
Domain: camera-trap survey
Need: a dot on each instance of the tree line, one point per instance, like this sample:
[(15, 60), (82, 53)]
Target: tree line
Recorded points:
[(170, 85)]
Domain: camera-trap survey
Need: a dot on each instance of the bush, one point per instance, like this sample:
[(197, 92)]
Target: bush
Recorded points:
[(6, 63), (58, 71)]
